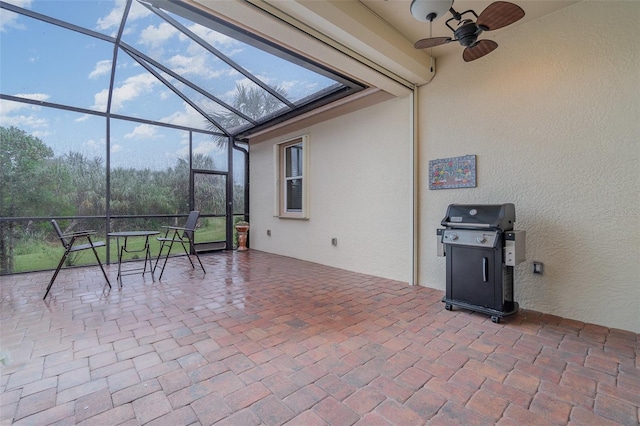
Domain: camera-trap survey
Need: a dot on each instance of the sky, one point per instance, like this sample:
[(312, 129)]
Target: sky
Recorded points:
[(45, 62)]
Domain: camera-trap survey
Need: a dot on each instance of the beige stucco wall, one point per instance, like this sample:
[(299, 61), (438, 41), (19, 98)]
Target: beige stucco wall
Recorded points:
[(359, 193), (553, 117)]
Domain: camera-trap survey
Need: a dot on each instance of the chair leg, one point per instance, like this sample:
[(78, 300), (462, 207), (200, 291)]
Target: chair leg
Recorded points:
[(159, 256), (55, 274), (187, 253), (192, 247), (165, 260), (99, 263)]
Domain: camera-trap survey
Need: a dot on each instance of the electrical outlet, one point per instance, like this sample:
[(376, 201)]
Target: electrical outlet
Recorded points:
[(537, 267), (268, 232), (334, 241)]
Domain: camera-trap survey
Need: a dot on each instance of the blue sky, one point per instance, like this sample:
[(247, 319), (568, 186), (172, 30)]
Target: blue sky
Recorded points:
[(45, 62)]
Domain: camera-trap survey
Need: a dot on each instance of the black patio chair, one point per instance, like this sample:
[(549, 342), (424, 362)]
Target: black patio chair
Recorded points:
[(183, 236), (70, 246)]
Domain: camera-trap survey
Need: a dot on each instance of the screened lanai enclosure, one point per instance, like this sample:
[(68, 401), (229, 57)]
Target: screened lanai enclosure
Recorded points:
[(122, 115)]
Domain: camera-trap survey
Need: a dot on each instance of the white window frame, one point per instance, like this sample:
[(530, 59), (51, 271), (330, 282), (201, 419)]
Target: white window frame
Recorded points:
[(280, 150)]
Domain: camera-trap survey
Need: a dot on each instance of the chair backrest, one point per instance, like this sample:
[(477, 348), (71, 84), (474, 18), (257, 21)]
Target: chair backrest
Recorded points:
[(190, 226), (65, 243)]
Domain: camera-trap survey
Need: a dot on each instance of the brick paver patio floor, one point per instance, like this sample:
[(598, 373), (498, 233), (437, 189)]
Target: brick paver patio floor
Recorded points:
[(265, 339)]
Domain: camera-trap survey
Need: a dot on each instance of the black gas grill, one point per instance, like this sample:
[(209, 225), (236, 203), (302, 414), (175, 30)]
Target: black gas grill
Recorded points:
[(481, 248)]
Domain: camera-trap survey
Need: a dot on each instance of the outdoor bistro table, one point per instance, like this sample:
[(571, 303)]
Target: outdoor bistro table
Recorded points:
[(123, 248)]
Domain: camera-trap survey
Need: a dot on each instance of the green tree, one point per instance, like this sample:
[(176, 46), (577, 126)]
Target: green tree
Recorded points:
[(25, 184), (253, 101), (88, 179)]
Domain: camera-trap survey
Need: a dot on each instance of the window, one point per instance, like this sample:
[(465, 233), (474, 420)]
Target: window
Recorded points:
[(291, 186)]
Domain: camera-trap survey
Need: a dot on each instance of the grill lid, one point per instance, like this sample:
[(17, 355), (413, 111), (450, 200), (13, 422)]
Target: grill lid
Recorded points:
[(480, 216)]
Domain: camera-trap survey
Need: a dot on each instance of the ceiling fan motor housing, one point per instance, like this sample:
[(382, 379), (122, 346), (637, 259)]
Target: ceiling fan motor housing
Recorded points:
[(467, 33)]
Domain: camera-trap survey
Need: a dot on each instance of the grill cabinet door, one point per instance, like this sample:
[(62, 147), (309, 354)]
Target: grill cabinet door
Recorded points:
[(471, 275)]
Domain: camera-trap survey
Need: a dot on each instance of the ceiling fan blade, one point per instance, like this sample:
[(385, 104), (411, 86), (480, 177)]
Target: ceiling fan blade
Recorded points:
[(499, 14), (478, 50), (431, 42)]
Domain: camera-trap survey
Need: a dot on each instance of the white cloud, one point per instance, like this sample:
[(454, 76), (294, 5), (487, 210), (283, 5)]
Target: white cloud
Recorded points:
[(13, 113), (156, 37), (7, 107), (116, 148), (93, 144), (114, 18), (212, 37), (206, 148), (25, 4), (102, 67), (23, 121), (188, 117), (132, 87), (143, 131), (100, 100), (195, 65), (137, 11), (40, 134), (187, 64), (9, 19)]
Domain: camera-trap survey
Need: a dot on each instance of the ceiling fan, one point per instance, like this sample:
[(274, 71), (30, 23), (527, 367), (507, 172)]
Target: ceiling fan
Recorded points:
[(497, 15)]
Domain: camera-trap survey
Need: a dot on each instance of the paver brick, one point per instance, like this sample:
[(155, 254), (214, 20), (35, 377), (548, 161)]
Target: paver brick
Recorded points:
[(246, 396), (127, 395), (35, 403), (396, 414), (52, 415), (211, 408), (272, 411), (151, 407), (616, 410), (123, 379), (488, 405), (264, 339), (92, 405), (453, 414), (550, 407), (118, 415), (307, 418), (335, 412)]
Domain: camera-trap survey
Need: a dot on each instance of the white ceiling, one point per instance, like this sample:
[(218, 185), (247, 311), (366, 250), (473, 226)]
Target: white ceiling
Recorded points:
[(368, 40), (396, 13), (373, 36)]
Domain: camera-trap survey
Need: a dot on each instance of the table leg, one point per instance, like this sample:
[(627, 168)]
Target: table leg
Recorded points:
[(147, 255), (153, 278)]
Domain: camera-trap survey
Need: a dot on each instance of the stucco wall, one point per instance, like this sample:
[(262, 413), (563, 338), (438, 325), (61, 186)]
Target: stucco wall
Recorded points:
[(553, 117), (359, 189)]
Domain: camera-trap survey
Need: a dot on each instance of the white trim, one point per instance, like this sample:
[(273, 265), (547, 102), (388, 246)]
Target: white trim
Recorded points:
[(415, 188), (280, 183)]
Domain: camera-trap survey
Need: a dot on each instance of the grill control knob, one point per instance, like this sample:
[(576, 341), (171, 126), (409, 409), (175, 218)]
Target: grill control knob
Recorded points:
[(453, 237), (481, 239)]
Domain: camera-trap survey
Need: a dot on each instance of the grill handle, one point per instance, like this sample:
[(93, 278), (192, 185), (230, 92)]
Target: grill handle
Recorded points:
[(485, 269), (466, 225)]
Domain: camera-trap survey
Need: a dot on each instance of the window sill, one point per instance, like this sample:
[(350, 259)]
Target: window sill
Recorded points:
[(293, 217)]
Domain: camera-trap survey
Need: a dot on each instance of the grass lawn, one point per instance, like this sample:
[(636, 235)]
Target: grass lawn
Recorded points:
[(38, 256)]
